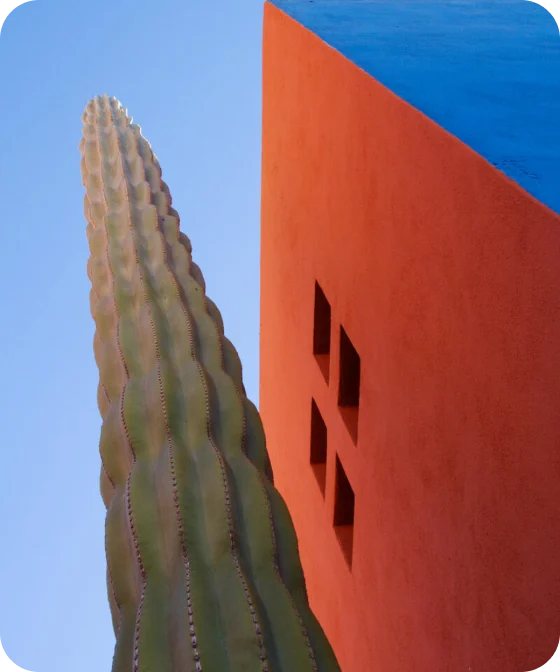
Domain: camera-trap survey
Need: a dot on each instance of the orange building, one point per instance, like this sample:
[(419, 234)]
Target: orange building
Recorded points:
[(410, 367)]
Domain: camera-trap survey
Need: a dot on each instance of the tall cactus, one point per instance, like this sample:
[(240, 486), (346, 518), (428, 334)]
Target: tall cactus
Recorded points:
[(203, 570)]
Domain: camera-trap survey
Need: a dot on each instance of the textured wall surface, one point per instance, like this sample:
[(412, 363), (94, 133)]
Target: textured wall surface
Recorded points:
[(445, 276), (488, 71)]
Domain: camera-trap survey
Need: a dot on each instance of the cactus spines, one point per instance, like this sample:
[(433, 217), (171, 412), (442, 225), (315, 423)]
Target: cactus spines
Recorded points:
[(203, 570)]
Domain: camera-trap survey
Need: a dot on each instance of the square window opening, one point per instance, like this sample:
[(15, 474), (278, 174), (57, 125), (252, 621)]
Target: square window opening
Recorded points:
[(322, 331), (344, 512), (349, 384), (318, 456)]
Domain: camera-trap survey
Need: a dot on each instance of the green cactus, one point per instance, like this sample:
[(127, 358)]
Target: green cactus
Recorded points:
[(203, 569)]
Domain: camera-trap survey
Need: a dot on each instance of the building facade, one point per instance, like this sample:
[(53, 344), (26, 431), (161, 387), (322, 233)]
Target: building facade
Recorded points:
[(410, 361)]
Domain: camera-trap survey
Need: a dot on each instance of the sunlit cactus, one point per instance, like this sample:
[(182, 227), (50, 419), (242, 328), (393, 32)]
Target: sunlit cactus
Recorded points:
[(203, 569)]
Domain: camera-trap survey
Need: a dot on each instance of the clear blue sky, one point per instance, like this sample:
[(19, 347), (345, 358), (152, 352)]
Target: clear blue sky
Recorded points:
[(189, 73)]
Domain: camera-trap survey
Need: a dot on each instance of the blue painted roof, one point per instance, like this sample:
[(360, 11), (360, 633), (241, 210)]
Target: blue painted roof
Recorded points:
[(486, 71)]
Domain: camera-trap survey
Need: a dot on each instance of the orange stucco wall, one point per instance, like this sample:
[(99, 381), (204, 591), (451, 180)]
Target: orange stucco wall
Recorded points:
[(446, 277)]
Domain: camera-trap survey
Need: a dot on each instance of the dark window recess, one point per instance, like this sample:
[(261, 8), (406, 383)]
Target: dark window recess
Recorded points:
[(318, 446), (344, 511), (322, 331), (349, 384)]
